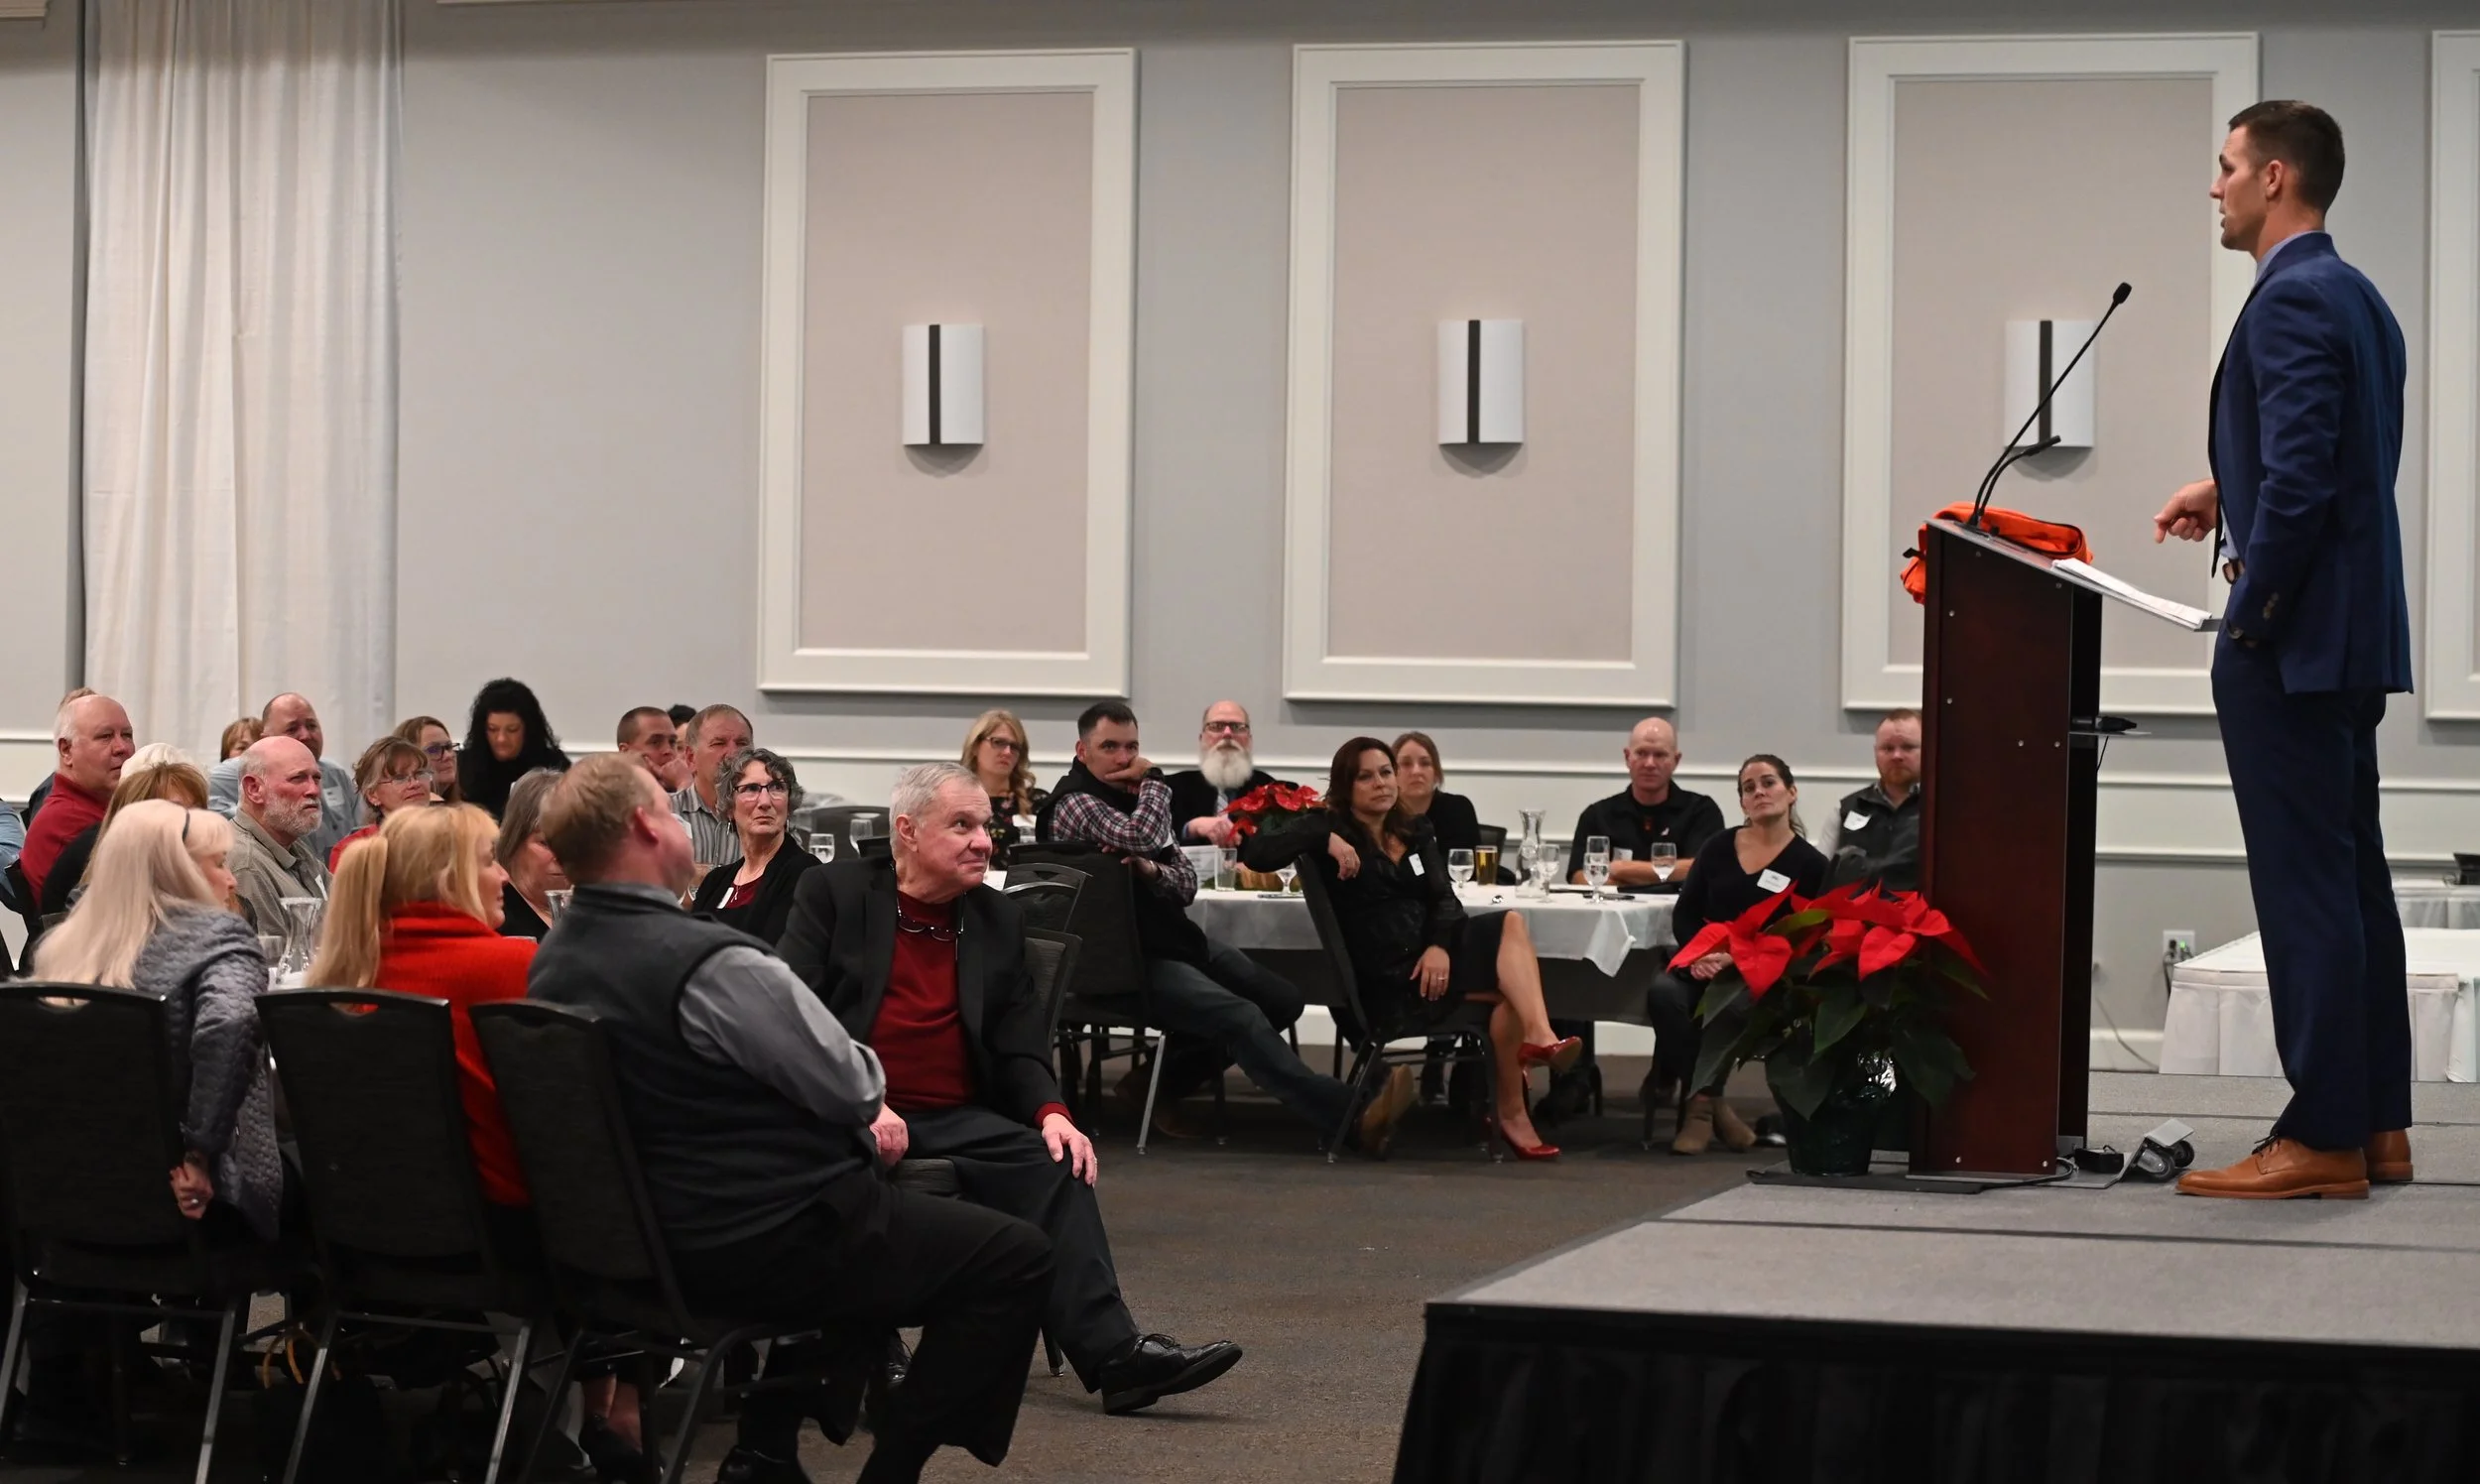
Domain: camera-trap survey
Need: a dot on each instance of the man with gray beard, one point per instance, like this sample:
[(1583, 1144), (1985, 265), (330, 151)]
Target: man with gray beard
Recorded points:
[(271, 828), (1202, 796)]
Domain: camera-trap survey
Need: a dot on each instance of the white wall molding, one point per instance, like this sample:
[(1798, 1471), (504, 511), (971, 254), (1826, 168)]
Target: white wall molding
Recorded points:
[(22, 9), (25, 759), (1101, 666), (1872, 534), (2453, 680), (1648, 676)]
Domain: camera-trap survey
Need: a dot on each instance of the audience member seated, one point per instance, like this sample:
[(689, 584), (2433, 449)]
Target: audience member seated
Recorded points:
[(155, 771), (1226, 769), (391, 775), (533, 871), (152, 919), (648, 735), (1219, 1005), (12, 845), (1417, 775), (754, 890), (42, 790), (1736, 870), (713, 735), (507, 736), (272, 858), (1875, 834), (752, 1110), (91, 743), (239, 736), (998, 753), (1650, 809), (291, 716), (964, 1041), (439, 744), (1415, 951)]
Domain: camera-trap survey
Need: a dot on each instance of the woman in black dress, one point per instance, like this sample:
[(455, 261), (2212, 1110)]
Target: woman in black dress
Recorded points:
[(506, 738), (755, 891), (1736, 870), (1417, 776), (1413, 950)]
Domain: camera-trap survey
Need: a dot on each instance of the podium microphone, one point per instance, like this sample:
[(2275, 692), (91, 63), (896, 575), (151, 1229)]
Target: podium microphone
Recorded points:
[(2014, 454)]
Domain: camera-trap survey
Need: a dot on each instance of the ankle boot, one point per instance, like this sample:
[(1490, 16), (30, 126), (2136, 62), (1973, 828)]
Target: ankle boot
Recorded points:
[(1695, 1127), (1736, 1134)]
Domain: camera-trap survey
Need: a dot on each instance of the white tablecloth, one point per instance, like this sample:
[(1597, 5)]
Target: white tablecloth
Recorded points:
[(2436, 903), (1564, 927), (2221, 1019)]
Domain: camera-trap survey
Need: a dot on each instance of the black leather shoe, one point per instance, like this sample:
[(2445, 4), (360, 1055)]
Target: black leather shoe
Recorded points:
[(1158, 1366), (744, 1466)]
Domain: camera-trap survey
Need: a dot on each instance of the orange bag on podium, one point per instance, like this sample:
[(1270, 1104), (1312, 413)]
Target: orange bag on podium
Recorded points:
[(2049, 538)]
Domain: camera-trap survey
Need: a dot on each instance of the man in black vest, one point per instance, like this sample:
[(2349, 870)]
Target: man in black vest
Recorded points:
[(751, 1109), (924, 963), (1875, 834)]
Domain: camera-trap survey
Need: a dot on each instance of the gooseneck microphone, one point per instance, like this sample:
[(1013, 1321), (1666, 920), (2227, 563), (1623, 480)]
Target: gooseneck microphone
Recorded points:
[(2014, 454)]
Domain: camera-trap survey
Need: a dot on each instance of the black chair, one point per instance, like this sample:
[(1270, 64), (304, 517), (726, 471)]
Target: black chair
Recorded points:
[(1369, 1037), (21, 895), (91, 1108), (387, 1164), (1045, 892), (1110, 990), (611, 1271)]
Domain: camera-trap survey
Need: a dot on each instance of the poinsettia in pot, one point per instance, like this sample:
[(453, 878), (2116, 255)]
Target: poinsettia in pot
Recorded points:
[(1269, 807), (1838, 997)]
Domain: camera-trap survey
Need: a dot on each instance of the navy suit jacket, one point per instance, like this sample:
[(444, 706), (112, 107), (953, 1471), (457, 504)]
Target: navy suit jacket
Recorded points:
[(2307, 435)]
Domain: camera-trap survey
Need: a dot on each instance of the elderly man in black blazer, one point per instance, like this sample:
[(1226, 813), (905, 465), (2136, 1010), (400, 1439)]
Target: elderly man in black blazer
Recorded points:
[(926, 964)]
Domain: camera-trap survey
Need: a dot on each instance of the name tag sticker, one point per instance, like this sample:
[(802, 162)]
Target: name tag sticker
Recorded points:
[(1772, 881), (1856, 819), (1415, 862)]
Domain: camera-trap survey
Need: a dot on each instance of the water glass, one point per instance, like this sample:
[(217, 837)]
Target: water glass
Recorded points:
[(301, 935), (1459, 866), (1227, 869), (862, 827), (1596, 863), (823, 846), (1664, 858), (559, 902)]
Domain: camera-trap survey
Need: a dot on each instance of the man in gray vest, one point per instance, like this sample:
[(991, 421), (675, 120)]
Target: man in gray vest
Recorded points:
[(1875, 834), (751, 1110)]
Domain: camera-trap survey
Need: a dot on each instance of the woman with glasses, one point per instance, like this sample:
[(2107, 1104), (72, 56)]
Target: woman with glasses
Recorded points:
[(391, 775), (755, 892), (997, 752), (437, 744), (1736, 870)]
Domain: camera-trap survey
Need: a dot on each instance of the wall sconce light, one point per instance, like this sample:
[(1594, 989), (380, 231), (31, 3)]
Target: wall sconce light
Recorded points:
[(1480, 381), (943, 385), (2036, 351)]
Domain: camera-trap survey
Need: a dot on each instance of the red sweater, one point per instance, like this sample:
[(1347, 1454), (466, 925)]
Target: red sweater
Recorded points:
[(68, 812), (919, 1035), (431, 948)]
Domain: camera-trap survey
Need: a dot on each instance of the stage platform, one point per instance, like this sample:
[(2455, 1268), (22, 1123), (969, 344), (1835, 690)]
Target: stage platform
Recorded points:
[(2058, 1334)]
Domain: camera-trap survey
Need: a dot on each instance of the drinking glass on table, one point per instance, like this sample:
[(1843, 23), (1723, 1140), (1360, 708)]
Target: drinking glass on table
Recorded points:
[(823, 846), (301, 935), (1459, 866), (558, 902), (1596, 863), (1287, 871), (1227, 868), (863, 828), (1664, 857), (1485, 864)]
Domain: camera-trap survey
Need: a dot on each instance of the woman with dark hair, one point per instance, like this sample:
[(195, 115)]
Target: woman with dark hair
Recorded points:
[(437, 744), (755, 891), (1417, 774), (1413, 950), (1736, 870), (506, 738)]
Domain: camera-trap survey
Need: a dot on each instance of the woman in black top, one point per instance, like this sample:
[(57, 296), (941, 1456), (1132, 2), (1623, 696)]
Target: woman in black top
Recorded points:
[(1736, 870), (533, 871), (506, 738), (755, 892), (1413, 950), (997, 752), (1417, 774)]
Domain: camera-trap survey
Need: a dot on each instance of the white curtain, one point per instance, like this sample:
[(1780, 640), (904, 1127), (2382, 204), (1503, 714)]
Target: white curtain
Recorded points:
[(240, 362)]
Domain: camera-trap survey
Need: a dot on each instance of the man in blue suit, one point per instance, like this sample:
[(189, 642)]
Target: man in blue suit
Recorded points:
[(2307, 433)]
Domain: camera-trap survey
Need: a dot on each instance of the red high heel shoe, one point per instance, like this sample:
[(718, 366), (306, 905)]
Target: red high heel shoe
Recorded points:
[(1520, 1151), (1558, 1056)]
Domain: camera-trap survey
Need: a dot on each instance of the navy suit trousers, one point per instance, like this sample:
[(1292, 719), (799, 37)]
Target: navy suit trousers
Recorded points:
[(2304, 769)]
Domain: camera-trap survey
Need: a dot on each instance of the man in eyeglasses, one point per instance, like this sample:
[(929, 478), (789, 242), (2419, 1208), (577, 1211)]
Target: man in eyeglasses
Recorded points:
[(1202, 796), (339, 802)]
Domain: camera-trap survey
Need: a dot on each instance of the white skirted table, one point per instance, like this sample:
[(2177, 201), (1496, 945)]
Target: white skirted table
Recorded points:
[(2221, 1019), (2430, 902)]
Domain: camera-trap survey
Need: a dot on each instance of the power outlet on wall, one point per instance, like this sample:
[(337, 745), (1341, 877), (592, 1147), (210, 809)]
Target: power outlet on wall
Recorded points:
[(2178, 944)]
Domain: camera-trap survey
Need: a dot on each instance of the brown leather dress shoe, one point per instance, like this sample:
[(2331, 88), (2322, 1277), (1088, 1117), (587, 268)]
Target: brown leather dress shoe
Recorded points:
[(2282, 1169), (2390, 1158)]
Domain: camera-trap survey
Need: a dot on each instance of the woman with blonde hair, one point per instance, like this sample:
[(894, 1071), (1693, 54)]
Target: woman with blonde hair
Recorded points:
[(156, 770), (153, 919), (997, 752), (238, 738)]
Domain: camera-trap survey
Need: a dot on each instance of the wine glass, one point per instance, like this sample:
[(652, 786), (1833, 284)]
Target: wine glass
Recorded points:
[(1596, 863), (1287, 871), (1664, 857), (558, 902), (1459, 866), (863, 828), (823, 846)]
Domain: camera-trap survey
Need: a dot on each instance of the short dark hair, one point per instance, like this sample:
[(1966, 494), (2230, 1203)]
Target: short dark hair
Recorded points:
[(635, 720), (2301, 135), (1101, 712), (680, 714)]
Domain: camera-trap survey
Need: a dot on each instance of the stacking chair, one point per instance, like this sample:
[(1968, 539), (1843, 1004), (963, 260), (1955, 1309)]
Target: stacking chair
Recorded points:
[(1370, 1051), (387, 1165), (1046, 893), (91, 1108), (610, 1272)]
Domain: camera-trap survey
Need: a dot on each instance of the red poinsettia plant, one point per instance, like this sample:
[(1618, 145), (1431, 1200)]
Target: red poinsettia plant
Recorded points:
[(1270, 804), (1816, 990)]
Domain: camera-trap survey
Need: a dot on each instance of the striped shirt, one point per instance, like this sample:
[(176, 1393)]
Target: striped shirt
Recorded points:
[(711, 838)]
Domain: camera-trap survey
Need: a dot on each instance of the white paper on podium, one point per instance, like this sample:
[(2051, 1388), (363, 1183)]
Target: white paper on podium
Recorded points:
[(2181, 614)]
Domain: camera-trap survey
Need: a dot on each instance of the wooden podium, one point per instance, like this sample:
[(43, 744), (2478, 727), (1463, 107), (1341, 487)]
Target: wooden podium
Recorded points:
[(2011, 738)]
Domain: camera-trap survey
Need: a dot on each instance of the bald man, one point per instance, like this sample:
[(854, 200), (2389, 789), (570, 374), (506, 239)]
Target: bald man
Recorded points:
[(339, 802), (1226, 768), (271, 858), (90, 741), (1649, 809)]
